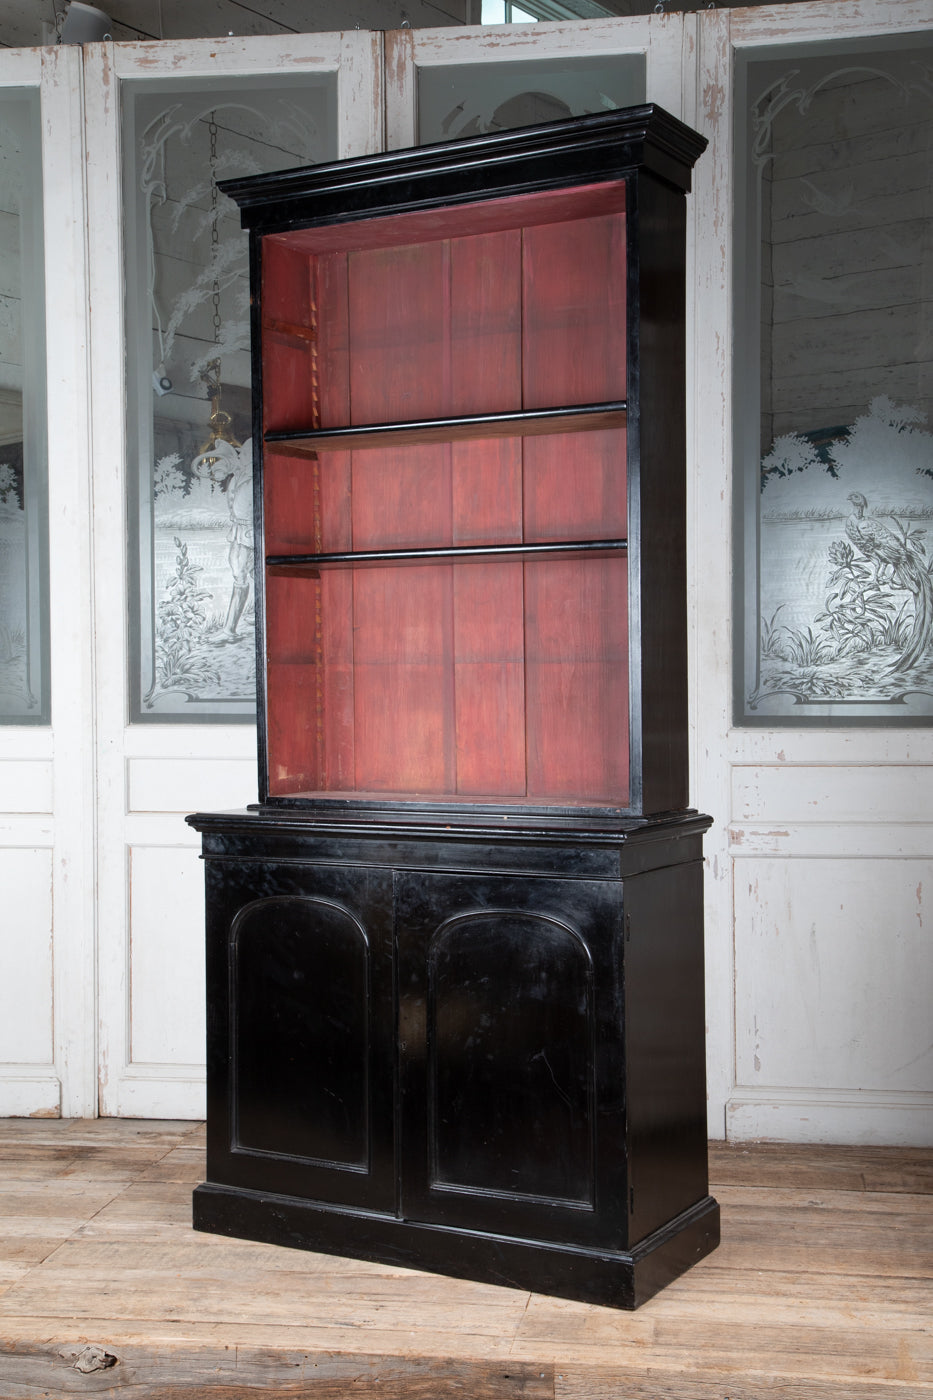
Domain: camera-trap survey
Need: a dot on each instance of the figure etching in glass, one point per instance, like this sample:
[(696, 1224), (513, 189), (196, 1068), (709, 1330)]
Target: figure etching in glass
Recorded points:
[(231, 467), (188, 299)]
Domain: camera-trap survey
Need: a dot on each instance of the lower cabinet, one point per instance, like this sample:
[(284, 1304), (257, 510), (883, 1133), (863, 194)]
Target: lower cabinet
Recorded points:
[(482, 1059)]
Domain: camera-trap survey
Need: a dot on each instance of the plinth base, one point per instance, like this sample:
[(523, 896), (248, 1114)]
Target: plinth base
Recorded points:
[(615, 1279)]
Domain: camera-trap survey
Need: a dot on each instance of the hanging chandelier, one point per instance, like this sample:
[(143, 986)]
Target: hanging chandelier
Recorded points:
[(220, 423)]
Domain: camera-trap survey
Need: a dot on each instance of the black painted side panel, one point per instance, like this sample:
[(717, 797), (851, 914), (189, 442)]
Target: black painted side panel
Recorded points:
[(665, 1038)]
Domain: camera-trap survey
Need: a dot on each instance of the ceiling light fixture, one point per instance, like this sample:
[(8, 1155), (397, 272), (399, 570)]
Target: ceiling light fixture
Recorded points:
[(84, 24)]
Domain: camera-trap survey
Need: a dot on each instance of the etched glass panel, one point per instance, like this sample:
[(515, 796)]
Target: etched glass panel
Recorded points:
[(24, 668), (192, 635), (834, 300), (470, 99)]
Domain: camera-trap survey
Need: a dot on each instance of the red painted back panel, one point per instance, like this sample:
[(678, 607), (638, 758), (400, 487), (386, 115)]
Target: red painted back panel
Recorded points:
[(573, 347), (478, 680), (288, 354)]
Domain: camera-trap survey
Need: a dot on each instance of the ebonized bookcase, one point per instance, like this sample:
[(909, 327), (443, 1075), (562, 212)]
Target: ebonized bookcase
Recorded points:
[(455, 953)]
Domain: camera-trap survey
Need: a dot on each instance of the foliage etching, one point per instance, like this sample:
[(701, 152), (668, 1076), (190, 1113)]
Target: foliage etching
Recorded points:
[(862, 552)]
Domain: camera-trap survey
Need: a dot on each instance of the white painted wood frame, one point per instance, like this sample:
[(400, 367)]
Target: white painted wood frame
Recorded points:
[(47, 926), (819, 957), (662, 39), (150, 963)]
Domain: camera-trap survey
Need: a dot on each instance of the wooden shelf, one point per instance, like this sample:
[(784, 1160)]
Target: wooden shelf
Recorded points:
[(310, 564), (576, 418)]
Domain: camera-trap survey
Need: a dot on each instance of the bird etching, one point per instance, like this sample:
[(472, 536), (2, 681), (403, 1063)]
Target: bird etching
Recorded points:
[(897, 564)]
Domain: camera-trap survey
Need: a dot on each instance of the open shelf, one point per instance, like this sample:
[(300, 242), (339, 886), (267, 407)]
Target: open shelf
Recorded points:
[(492, 675), (566, 549), (445, 469), (305, 442)]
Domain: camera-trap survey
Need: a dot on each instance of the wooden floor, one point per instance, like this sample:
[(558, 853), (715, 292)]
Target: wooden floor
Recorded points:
[(821, 1290)]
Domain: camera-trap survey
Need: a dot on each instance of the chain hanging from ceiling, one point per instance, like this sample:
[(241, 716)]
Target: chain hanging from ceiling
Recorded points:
[(220, 422)]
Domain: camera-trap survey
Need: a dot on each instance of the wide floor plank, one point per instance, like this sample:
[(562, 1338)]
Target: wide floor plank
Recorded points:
[(822, 1289)]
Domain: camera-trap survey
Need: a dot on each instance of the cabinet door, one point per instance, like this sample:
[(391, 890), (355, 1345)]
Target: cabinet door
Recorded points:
[(512, 1076), (301, 1031)]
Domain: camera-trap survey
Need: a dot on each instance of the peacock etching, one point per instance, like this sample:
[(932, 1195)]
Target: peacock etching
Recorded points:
[(899, 562)]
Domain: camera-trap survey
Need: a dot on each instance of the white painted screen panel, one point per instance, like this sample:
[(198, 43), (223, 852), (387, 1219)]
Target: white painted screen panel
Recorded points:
[(896, 792), (26, 785), (151, 901), (834, 974), (843, 795), (181, 785), (166, 963), (26, 986), (46, 760)]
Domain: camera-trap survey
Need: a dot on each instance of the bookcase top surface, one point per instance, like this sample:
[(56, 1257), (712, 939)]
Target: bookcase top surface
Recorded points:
[(552, 155)]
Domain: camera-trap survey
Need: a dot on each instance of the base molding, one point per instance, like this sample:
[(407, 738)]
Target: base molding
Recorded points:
[(864, 1118), (616, 1279), (30, 1096)]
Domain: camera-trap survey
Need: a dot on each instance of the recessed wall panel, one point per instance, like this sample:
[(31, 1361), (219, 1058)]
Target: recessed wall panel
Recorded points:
[(166, 956), (26, 987), (834, 974)]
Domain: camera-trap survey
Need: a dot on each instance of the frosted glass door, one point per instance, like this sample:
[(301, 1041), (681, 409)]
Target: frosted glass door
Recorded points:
[(836, 385), (24, 678), (190, 402)]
